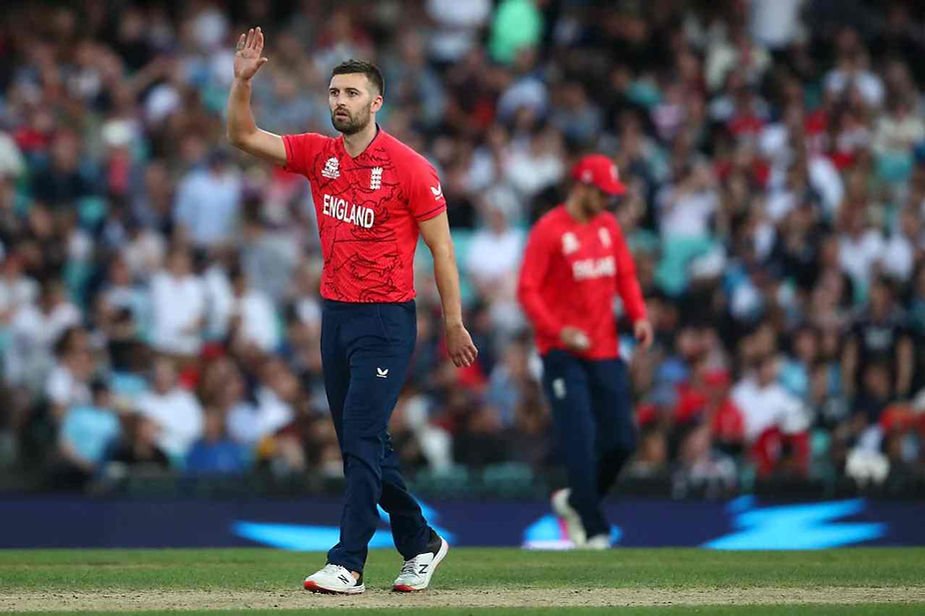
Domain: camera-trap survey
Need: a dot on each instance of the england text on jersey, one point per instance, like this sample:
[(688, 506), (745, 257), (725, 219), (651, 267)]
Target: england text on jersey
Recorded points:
[(368, 209), (591, 269), (341, 209)]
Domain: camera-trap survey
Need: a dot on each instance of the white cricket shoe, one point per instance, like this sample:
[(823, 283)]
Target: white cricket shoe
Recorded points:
[(416, 572), (334, 579), (597, 542), (573, 526)]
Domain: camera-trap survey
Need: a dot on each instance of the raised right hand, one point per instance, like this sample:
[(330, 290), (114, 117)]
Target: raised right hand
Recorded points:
[(574, 339), (247, 58)]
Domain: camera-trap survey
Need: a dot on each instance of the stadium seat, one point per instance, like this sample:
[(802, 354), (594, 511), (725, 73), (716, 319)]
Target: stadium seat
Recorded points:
[(894, 167), (677, 253), (91, 211), (509, 479), (451, 482)]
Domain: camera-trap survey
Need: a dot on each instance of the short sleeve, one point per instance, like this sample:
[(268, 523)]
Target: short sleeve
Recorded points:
[(425, 194), (300, 150)]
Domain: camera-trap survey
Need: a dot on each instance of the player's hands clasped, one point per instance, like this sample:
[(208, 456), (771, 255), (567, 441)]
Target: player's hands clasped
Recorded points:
[(460, 346), (575, 339), (247, 58)]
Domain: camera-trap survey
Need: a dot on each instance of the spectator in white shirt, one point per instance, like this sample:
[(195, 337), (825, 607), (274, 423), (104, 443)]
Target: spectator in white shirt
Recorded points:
[(494, 254), (687, 207), (16, 289), (175, 410), (252, 319), (68, 383), (766, 404), (33, 331), (457, 27), (898, 257), (208, 202), (218, 297), (536, 163), (900, 129), (860, 247), (852, 70), (776, 23), (266, 421), (143, 251), (178, 305)]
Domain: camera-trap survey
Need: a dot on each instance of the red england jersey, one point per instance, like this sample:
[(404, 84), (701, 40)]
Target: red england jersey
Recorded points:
[(368, 210), (571, 274)]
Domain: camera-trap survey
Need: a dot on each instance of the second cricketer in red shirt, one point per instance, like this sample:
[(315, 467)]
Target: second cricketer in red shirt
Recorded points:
[(575, 266), (373, 196)]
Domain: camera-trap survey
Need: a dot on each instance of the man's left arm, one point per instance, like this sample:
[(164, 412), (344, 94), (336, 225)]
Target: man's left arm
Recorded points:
[(630, 291), (436, 234)]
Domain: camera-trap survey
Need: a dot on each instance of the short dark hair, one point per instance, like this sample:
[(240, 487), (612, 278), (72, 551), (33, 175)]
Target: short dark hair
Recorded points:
[(372, 72)]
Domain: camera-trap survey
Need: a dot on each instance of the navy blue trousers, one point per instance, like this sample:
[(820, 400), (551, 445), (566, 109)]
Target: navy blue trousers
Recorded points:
[(366, 350), (595, 433)]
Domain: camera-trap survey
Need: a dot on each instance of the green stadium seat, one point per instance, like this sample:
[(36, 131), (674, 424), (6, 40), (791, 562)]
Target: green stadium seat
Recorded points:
[(509, 479), (91, 211), (677, 253), (76, 275), (451, 482), (820, 443), (894, 167)]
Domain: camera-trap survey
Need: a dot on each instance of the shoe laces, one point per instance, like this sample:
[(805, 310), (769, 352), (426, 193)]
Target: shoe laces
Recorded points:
[(332, 569), (410, 567)]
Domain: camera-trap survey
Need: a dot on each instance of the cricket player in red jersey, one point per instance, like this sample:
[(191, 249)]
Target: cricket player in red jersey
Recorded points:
[(576, 264), (373, 196)]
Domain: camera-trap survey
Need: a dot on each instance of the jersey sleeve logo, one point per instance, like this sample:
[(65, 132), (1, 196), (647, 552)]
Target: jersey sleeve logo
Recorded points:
[(569, 243), (331, 168), (438, 192), (375, 178)]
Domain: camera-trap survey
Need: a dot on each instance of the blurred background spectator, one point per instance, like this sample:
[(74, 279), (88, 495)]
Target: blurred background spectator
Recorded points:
[(159, 307)]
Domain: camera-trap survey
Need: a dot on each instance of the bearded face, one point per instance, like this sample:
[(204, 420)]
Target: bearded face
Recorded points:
[(349, 123), (352, 100)]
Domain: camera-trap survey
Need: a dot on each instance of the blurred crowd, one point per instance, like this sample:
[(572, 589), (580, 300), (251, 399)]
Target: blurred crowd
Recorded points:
[(159, 304)]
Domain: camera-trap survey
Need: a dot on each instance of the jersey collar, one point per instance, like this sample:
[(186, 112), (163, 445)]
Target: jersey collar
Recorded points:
[(343, 148)]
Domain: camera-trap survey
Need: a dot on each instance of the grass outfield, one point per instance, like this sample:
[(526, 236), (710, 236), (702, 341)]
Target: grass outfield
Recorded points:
[(472, 581)]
